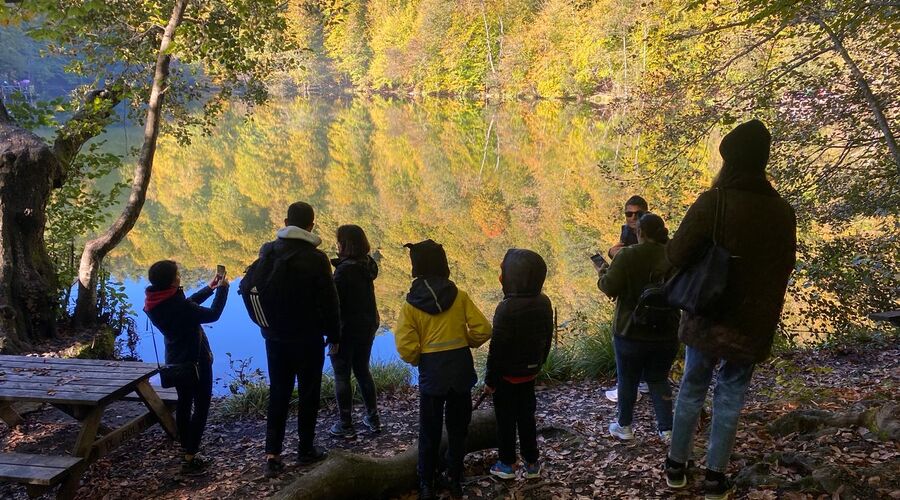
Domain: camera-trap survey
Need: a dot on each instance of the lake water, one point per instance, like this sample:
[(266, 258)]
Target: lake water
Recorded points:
[(479, 179)]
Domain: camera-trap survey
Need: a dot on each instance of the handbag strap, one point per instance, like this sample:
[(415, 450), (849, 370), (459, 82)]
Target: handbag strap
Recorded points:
[(149, 326), (720, 208)]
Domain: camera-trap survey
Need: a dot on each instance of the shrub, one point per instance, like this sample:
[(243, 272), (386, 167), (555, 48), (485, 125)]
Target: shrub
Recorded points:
[(560, 365)]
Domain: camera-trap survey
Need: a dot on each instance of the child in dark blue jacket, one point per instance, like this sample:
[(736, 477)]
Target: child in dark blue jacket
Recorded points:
[(523, 330)]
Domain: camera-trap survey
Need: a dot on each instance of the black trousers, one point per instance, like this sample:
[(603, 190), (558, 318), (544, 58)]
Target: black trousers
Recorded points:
[(514, 406), (457, 406), (289, 361), (353, 355), (193, 409)]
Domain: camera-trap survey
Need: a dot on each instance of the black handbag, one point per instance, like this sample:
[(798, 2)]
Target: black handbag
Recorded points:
[(171, 375), (700, 287)]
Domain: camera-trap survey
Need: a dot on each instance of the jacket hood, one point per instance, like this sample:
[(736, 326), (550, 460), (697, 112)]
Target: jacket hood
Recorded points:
[(432, 295), (155, 296), (428, 259), (523, 273), (367, 263), (297, 233)]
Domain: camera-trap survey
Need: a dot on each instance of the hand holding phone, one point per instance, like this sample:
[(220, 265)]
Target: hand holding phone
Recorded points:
[(219, 277), (599, 261)]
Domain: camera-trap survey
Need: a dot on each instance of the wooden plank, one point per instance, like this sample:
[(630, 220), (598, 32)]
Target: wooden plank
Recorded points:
[(155, 404), (13, 458), (88, 433), (49, 369), (31, 474), (9, 414), (53, 386), (168, 395), (35, 360), (112, 440), (81, 379), (66, 397)]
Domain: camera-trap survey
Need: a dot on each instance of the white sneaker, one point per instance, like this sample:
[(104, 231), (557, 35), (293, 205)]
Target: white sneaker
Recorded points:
[(666, 436), (619, 432), (613, 395), (643, 388)]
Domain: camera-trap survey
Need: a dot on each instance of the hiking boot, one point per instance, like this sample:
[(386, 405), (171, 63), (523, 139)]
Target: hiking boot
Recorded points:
[(194, 466), (503, 471), (643, 388), (676, 474), (372, 423), (274, 466), (666, 436), (532, 471), (621, 432), (717, 486), (312, 455), (426, 492), (342, 431)]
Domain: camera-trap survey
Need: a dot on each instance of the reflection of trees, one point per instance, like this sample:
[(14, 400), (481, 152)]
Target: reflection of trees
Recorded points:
[(404, 171)]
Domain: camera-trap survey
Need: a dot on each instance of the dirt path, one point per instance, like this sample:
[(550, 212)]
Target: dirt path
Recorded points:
[(591, 465)]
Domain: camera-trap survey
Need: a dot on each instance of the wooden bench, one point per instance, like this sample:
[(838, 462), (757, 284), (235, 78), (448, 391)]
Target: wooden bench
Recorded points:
[(168, 396), (37, 472)]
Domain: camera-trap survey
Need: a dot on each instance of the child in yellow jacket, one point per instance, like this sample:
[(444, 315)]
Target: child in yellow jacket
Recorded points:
[(439, 324)]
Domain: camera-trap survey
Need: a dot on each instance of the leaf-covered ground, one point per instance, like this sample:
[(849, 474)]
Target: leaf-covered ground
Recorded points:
[(581, 460)]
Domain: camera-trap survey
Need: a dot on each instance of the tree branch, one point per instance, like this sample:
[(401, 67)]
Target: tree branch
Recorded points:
[(88, 122)]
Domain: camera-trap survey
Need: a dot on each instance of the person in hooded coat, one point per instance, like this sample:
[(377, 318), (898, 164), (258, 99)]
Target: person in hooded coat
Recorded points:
[(179, 319), (438, 326), (759, 228), (298, 353), (522, 335), (354, 275)]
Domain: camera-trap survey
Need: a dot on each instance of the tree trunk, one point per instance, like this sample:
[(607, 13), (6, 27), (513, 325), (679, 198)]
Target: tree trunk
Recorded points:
[(96, 250), (863, 85), (28, 172), (351, 476)]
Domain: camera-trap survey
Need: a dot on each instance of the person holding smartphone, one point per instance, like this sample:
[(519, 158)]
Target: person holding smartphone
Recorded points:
[(635, 207), (179, 319)]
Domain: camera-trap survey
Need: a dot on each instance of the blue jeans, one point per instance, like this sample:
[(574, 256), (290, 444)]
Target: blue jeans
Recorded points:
[(649, 361), (728, 401)]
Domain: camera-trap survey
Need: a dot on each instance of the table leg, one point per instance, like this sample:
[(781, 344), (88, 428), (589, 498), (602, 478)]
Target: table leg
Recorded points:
[(156, 405), (83, 446), (9, 415)]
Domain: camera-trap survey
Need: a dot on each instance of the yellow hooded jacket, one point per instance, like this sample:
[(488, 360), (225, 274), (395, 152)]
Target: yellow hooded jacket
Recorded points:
[(462, 325)]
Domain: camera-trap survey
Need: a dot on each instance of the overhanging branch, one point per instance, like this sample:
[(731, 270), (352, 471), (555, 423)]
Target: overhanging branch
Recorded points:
[(88, 122)]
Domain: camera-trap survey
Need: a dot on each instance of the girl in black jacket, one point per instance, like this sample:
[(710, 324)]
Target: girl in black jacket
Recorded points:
[(179, 319), (523, 330), (354, 273)]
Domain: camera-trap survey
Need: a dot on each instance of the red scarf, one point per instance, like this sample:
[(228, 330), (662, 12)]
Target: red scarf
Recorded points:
[(153, 299)]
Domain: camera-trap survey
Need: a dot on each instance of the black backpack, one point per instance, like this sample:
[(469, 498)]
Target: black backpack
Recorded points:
[(269, 292), (653, 312)]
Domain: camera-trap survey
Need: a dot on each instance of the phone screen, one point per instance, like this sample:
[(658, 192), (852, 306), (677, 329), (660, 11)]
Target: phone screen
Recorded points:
[(598, 259), (220, 270)]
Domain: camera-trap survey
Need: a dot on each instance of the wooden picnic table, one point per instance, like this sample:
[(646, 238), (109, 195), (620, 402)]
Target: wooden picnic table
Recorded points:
[(83, 389)]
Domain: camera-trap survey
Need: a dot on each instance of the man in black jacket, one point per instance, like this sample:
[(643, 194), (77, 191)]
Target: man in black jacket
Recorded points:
[(299, 352), (523, 330), (179, 319)]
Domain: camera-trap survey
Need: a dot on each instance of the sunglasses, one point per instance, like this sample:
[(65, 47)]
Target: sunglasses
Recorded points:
[(630, 214)]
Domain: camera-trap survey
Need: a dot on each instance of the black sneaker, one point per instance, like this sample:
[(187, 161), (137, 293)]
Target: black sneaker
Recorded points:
[(676, 474), (717, 486), (373, 423), (312, 455), (195, 466), (342, 431), (274, 466)]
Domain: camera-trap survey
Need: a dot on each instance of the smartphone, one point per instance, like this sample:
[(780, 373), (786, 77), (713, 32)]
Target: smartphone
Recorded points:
[(598, 260), (220, 271)]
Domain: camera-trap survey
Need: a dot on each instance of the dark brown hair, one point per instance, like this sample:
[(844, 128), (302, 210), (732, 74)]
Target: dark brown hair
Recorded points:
[(162, 274), (352, 242)]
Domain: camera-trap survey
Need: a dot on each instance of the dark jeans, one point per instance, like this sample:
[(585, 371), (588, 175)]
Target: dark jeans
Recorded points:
[(353, 355), (728, 401), (458, 407), (289, 361), (193, 408), (514, 406), (651, 361)]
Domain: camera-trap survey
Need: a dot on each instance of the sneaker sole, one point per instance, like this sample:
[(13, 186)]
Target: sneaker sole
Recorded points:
[(622, 437), (718, 496), (676, 485), (532, 476), (503, 475)]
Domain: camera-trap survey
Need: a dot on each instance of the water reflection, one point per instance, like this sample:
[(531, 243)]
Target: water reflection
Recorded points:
[(477, 179)]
